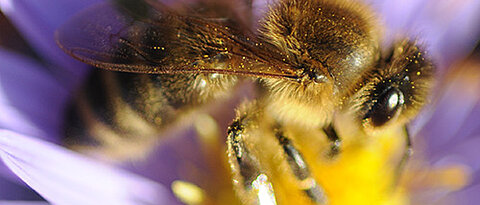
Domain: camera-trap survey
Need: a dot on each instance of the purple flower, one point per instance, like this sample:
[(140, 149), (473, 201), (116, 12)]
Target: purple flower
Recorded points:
[(33, 96)]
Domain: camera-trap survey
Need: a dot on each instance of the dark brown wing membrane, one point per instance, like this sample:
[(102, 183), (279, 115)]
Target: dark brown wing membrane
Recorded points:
[(145, 38)]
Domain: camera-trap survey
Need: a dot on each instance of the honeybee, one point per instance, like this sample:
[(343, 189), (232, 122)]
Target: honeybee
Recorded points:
[(310, 60)]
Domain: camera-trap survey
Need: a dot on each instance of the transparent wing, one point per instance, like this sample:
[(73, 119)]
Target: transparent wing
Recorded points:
[(146, 37)]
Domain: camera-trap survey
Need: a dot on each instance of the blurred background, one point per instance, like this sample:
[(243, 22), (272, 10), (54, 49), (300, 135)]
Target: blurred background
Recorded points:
[(446, 168)]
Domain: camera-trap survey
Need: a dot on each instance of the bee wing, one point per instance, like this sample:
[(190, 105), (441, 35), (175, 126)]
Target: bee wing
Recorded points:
[(148, 38)]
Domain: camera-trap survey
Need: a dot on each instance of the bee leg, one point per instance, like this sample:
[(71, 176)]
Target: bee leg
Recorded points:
[(252, 179), (300, 169), (335, 141), (407, 153)]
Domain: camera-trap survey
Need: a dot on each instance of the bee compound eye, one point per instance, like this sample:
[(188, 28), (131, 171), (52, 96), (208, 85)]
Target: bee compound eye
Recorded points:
[(387, 106)]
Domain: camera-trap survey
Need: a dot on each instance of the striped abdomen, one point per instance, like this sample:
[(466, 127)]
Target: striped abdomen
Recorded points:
[(122, 114)]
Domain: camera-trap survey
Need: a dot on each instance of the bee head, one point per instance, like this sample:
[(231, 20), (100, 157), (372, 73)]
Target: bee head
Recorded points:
[(396, 89)]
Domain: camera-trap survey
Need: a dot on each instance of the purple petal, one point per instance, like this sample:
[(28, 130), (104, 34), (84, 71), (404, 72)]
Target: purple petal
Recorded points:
[(31, 101), (184, 150), (452, 135), (16, 190), (64, 177), (37, 21), (461, 28), (449, 28), (456, 114), (178, 152), (24, 203), (466, 196), (464, 152), (13, 188)]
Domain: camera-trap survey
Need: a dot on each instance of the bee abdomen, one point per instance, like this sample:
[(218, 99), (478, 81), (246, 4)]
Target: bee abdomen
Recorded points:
[(102, 118), (120, 113)]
